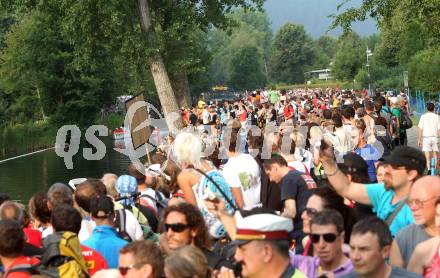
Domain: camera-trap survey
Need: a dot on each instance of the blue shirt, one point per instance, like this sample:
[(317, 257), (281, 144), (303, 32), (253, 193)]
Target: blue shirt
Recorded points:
[(381, 200), (106, 241), (371, 155)]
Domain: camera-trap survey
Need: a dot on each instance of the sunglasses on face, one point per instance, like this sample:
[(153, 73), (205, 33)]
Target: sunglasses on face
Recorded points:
[(123, 270), (311, 211), (176, 227), (327, 237)]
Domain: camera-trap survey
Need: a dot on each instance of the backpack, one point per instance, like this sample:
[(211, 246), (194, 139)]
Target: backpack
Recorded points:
[(394, 125), (31, 269), (121, 223), (63, 257), (405, 120), (160, 201)]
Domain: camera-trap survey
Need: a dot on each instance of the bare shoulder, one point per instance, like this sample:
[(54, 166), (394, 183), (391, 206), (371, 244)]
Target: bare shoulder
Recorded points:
[(426, 249), (187, 177)]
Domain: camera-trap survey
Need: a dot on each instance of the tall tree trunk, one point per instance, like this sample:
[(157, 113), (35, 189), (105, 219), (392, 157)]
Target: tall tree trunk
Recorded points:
[(158, 70), (164, 89), (181, 89)]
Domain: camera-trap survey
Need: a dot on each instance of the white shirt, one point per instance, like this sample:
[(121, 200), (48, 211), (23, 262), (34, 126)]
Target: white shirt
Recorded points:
[(243, 172), (429, 124), (205, 116), (46, 232), (87, 226)]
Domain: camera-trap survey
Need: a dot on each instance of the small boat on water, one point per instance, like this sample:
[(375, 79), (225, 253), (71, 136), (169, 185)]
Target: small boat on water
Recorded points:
[(121, 133)]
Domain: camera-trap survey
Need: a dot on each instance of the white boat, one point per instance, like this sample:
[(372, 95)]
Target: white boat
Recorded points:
[(121, 133)]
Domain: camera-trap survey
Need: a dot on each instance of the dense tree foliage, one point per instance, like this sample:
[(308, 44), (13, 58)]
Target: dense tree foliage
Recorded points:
[(292, 51), (410, 29), (349, 57), (425, 70), (252, 29), (246, 69), (65, 60)]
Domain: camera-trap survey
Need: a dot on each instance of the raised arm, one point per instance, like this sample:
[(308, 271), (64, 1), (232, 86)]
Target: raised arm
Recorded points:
[(340, 182)]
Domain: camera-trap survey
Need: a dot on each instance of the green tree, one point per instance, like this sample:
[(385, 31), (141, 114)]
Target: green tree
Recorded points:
[(426, 12), (246, 69), (424, 71), (350, 56), (325, 49), (292, 51), (251, 29), (41, 73)]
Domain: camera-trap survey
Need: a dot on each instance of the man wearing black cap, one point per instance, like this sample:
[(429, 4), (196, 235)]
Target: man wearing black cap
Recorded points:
[(388, 199), (104, 238)]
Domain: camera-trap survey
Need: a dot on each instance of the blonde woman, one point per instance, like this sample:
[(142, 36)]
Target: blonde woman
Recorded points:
[(200, 180)]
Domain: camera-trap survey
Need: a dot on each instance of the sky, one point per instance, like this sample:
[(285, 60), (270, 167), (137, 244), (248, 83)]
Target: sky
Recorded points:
[(313, 14)]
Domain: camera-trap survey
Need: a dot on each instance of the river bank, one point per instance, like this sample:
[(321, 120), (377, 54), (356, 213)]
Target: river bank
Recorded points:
[(18, 139)]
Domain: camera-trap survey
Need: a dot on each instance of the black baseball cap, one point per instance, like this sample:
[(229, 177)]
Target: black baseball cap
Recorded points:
[(354, 163), (101, 207), (408, 157)]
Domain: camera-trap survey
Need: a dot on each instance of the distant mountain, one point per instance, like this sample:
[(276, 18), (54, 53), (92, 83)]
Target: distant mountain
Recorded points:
[(313, 14)]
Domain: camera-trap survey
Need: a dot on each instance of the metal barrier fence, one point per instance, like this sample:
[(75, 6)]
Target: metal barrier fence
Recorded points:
[(419, 100)]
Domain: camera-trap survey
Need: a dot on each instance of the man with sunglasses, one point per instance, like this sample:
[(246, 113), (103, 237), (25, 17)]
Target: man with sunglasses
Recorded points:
[(183, 224), (422, 197), (141, 259), (327, 236), (388, 199)]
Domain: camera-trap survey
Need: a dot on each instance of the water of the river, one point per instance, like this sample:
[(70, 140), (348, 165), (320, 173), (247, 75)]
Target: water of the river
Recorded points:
[(22, 177)]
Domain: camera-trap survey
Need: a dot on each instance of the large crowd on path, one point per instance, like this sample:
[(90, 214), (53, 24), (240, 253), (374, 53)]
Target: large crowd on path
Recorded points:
[(299, 183)]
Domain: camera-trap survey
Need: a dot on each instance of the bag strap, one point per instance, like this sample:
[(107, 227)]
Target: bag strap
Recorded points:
[(219, 189), (155, 200), (393, 215), (121, 226), (28, 268)]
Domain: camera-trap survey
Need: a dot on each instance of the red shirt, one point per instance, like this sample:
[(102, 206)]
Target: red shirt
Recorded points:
[(94, 260), (288, 111), (19, 262), (243, 116), (33, 236)]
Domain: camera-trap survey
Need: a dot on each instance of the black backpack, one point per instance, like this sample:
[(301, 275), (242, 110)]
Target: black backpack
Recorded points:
[(405, 120), (120, 225), (160, 201)]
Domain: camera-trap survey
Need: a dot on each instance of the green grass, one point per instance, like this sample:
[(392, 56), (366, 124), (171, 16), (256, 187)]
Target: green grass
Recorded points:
[(22, 138), (16, 139), (112, 121)]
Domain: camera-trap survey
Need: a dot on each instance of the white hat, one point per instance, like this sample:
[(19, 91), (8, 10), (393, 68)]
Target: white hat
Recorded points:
[(263, 226), (394, 100), (74, 182), (153, 170)]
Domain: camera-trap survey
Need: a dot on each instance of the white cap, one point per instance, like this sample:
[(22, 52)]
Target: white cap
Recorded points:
[(263, 226), (153, 170), (394, 100)]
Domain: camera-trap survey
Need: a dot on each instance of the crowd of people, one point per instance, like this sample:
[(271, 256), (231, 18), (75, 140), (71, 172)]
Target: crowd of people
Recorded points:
[(300, 183)]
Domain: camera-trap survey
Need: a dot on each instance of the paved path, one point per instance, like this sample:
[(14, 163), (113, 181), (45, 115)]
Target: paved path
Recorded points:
[(412, 136)]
